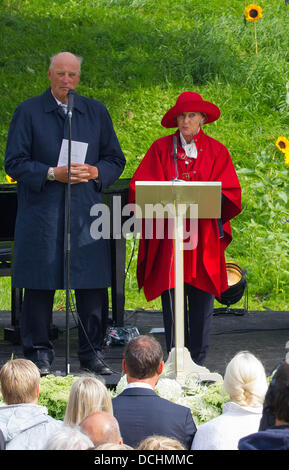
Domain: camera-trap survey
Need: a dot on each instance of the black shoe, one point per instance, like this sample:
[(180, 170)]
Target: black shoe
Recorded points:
[(96, 366), (44, 367)]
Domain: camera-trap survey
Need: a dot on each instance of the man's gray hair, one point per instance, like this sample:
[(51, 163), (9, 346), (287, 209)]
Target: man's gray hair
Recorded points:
[(78, 58)]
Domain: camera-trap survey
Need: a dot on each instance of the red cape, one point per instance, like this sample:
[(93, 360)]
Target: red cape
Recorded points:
[(204, 267)]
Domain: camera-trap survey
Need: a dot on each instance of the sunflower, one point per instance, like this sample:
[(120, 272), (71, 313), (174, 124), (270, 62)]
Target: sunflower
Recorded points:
[(253, 12), (282, 144), (10, 180)]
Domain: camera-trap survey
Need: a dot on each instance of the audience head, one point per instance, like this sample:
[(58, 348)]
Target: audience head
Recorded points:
[(160, 443), (87, 395), (69, 438), (112, 446), (143, 357), (280, 394), (101, 427), (245, 380), (20, 379)]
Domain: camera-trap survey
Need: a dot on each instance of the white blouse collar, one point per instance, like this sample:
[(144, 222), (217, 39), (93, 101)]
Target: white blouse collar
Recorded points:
[(190, 149)]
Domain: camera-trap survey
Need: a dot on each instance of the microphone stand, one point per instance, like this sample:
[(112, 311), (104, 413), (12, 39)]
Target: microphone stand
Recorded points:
[(175, 148), (67, 244)]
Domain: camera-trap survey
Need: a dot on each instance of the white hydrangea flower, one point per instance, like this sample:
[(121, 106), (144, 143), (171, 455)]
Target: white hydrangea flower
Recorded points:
[(169, 389)]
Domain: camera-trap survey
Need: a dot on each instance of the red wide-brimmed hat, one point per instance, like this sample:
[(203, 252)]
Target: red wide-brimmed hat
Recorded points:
[(189, 101)]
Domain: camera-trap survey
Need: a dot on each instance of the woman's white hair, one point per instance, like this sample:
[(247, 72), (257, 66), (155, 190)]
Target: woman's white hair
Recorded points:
[(245, 380), (69, 438)]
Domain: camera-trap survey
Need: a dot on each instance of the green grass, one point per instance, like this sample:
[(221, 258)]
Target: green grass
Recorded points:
[(138, 56)]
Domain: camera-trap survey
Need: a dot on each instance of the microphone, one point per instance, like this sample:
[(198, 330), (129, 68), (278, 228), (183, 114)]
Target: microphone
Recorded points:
[(70, 94)]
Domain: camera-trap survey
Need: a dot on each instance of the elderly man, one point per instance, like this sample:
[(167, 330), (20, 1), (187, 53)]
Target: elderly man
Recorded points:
[(37, 160), (139, 411)]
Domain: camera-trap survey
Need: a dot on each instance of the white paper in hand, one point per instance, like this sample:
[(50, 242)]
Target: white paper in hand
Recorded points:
[(78, 152)]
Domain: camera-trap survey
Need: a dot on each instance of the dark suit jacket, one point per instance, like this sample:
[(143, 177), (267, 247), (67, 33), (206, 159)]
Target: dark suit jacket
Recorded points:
[(142, 413), (274, 438)]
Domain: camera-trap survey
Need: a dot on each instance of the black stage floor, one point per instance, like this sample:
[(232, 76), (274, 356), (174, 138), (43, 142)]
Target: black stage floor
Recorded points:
[(264, 333)]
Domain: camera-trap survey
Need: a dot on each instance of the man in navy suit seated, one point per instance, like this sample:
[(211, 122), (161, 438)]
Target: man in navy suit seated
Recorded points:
[(138, 409)]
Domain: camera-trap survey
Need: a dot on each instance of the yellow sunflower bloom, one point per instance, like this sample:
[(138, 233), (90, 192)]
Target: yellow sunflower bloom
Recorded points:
[(253, 12), (282, 144), (10, 180)]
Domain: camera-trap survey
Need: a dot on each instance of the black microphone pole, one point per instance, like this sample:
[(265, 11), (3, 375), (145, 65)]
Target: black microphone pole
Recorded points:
[(70, 95), (175, 150)]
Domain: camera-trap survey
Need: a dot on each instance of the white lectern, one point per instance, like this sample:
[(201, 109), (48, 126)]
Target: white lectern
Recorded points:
[(179, 200)]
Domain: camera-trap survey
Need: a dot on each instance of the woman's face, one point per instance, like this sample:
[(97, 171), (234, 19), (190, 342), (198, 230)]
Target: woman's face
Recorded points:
[(189, 123)]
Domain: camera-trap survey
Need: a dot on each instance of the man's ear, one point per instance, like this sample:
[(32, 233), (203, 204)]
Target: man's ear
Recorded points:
[(161, 367), (124, 366)]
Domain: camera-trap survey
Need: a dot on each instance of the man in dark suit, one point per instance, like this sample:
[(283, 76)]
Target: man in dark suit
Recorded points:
[(138, 409), (36, 157)]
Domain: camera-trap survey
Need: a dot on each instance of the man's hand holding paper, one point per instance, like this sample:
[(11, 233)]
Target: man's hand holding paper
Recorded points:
[(79, 173)]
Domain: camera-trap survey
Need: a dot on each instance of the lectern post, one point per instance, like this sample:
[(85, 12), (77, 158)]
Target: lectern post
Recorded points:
[(180, 210)]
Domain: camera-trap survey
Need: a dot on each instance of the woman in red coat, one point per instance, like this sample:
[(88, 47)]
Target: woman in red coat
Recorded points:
[(199, 158)]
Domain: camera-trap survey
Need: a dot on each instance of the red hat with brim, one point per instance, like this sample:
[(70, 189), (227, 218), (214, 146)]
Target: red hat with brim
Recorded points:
[(190, 102)]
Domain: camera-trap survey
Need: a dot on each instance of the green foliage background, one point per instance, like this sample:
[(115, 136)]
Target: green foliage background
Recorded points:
[(139, 55)]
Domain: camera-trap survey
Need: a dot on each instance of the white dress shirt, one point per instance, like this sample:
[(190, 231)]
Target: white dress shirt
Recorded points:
[(139, 385)]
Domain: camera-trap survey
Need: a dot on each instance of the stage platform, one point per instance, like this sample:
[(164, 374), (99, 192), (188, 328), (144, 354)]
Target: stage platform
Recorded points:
[(264, 333)]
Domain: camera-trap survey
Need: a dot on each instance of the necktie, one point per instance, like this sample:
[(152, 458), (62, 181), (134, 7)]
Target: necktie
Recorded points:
[(63, 106)]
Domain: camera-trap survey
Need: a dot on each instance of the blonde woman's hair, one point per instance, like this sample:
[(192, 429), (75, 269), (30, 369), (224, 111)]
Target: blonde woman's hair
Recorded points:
[(19, 379), (160, 443), (87, 395), (245, 380)]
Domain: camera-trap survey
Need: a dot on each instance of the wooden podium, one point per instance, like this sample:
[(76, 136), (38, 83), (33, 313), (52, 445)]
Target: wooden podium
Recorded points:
[(179, 200)]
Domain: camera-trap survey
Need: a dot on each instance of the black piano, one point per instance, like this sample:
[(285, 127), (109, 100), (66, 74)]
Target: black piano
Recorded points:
[(8, 209)]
